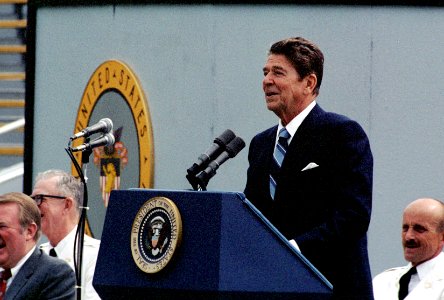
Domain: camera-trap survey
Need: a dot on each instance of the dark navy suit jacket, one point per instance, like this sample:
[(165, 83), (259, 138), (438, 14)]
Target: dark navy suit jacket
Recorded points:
[(43, 277), (326, 209)]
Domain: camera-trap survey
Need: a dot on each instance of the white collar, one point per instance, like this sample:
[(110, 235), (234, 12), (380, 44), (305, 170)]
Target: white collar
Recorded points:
[(294, 124), (66, 241), (424, 268), (19, 265)]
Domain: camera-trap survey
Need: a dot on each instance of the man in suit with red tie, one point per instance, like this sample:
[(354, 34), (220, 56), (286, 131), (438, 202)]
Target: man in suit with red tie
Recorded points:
[(26, 272), (316, 185), (423, 241)]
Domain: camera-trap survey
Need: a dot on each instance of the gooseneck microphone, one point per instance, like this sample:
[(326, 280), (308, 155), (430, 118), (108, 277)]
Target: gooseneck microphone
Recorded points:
[(105, 140), (231, 150), (105, 125), (225, 146), (214, 151)]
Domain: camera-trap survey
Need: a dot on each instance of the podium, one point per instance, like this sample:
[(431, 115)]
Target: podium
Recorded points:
[(227, 251)]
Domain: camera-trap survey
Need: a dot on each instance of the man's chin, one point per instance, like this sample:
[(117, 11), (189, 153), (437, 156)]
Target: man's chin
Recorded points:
[(3, 256), (410, 254), (272, 106)]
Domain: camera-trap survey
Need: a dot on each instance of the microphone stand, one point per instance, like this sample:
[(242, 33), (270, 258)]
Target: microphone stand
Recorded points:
[(195, 183), (79, 238)]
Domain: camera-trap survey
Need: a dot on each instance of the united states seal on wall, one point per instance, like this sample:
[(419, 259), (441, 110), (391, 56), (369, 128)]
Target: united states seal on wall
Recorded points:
[(114, 91)]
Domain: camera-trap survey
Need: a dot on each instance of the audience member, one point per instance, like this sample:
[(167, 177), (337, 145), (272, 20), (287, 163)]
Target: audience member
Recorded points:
[(58, 195), (422, 241), (28, 273)]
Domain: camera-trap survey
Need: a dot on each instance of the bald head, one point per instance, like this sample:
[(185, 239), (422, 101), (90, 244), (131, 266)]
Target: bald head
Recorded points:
[(423, 230), (430, 207)]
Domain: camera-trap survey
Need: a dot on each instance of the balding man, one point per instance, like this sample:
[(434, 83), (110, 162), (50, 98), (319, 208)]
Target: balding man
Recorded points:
[(423, 241)]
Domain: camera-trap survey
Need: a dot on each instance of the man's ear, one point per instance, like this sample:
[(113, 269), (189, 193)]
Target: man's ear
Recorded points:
[(310, 83), (69, 203), (31, 231)]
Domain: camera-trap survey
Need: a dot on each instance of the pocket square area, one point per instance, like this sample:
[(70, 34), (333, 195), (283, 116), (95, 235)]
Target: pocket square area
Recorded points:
[(310, 166)]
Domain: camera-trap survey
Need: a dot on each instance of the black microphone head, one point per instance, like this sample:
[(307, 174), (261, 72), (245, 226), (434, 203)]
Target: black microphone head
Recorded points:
[(226, 137), (235, 146)]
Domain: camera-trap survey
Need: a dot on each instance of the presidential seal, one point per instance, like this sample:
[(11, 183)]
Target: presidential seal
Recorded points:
[(155, 235)]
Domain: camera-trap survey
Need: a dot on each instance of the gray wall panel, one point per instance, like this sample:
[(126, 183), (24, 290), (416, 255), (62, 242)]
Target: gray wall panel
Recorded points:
[(201, 68)]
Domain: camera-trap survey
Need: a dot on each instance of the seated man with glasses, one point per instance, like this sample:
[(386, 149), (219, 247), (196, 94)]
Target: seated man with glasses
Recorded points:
[(59, 196)]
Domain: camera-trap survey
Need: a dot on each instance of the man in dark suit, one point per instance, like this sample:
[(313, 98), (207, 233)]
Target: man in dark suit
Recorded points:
[(31, 273), (320, 197)]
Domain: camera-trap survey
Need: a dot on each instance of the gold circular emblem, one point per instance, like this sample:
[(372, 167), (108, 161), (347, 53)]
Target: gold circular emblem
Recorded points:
[(114, 75), (155, 234)]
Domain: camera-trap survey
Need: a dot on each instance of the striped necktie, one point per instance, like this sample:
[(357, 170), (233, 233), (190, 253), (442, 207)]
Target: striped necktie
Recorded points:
[(4, 276), (278, 158)]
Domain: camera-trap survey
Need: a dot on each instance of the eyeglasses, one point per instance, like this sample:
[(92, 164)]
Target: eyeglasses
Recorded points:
[(40, 197)]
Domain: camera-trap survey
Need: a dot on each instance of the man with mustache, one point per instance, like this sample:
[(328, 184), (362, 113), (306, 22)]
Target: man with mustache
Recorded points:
[(422, 241), (311, 174)]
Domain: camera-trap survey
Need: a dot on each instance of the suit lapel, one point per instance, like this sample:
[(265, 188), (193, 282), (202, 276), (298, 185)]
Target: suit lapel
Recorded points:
[(303, 139), (305, 129), (265, 148), (24, 274), (270, 142)]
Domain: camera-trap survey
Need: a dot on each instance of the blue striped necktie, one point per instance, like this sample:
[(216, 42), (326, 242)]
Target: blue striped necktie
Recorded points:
[(278, 158)]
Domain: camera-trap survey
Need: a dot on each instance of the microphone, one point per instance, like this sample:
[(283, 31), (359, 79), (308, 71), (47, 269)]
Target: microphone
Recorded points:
[(214, 151), (105, 140), (105, 125), (232, 149)]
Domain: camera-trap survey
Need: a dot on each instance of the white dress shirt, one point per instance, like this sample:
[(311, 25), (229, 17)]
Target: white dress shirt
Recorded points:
[(65, 251), (292, 127), (427, 284)]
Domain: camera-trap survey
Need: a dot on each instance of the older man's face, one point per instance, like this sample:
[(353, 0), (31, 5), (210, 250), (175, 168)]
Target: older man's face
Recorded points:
[(282, 85), (51, 208), (13, 238), (420, 239)]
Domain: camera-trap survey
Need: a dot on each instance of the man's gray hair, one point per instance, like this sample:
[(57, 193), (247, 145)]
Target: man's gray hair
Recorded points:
[(67, 185)]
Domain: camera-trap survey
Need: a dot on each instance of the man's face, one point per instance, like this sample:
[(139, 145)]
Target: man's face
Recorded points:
[(420, 239), (51, 209), (13, 238), (282, 85)]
